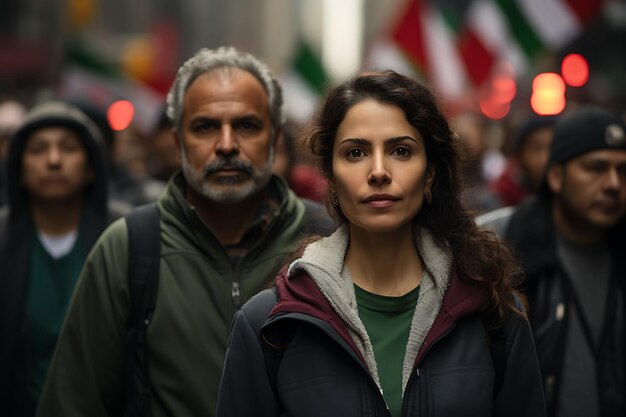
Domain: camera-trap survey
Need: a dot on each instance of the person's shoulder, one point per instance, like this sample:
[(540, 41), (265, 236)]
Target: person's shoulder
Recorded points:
[(496, 220), (117, 208), (261, 303), (114, 239), (257, 310), (318, 220)]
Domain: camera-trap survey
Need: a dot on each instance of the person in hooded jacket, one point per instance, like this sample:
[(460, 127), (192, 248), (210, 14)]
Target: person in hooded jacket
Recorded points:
[(394, 313), (57, 208)]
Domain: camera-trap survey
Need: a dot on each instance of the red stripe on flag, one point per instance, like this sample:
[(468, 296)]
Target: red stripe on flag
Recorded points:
[(585, 10), (409, 35), (476, 57)]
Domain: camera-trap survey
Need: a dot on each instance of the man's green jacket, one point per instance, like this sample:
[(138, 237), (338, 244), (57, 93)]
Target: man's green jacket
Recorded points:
[(196, 301)]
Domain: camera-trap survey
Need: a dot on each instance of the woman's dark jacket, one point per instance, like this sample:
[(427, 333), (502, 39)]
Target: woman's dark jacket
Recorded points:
[(305, 362)]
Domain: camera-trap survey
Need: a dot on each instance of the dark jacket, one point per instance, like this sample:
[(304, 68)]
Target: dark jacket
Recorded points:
[(532, 232), (16, 232), (322, 370)]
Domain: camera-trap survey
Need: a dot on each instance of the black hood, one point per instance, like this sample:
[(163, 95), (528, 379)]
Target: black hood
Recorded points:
[(56, 113)]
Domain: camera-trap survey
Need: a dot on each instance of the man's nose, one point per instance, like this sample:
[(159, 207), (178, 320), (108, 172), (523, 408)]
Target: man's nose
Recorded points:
[(227, 144), (614, 180)]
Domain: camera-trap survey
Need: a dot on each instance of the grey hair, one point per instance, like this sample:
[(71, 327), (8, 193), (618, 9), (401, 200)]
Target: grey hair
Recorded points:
[(206, 60)]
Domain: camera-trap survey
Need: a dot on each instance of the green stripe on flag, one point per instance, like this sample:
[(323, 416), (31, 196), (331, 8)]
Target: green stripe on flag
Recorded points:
[(310, 68), (453, 19), (528, 39), (81, 54)]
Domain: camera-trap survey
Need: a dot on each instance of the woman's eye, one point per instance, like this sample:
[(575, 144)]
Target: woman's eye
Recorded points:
[(354, 153), (402, 151)]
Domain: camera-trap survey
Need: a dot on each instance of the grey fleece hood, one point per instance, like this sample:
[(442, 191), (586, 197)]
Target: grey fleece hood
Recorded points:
[(324, 262), (57, 113)]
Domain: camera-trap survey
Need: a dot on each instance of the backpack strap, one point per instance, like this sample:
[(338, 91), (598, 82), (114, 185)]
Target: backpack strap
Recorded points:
[(144, 256)]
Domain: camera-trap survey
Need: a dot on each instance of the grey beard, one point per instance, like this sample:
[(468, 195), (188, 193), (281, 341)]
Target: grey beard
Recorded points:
[(230, 189)]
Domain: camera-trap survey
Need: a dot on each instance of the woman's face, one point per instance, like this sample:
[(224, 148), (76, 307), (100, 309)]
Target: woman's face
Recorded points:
[(379, 167)]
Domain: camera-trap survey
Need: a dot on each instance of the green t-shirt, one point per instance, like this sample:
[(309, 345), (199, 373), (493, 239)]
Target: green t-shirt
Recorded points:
[(50, 286), (388, 322)]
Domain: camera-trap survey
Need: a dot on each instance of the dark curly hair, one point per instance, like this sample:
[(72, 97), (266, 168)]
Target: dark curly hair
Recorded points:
[(479, 255)]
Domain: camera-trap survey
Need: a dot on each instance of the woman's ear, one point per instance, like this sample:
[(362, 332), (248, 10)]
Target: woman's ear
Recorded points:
[(430, 177)]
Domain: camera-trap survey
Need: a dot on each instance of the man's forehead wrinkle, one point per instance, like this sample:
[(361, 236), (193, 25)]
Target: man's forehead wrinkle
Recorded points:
[(225, 75)]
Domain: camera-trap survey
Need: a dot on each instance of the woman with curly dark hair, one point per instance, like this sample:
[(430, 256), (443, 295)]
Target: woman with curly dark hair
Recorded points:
[(408, 308)]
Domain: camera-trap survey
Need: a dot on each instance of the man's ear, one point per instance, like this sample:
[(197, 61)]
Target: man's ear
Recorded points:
[(554, 178), (176, 138), (278, 135)]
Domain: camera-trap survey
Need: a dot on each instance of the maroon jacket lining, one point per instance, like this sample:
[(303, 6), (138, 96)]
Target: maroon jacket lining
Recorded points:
[(300, 294)]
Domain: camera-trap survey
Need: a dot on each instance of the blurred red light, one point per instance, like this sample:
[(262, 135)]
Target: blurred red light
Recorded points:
[(120, 114), (575, 70), (504, 89), (493, 108)]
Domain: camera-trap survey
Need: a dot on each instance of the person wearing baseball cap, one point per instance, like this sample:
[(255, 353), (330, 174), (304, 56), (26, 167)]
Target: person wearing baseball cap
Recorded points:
[(571, 239)]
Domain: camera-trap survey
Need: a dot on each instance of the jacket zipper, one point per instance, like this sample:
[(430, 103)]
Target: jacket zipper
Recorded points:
[(419, 373), (383, 396), (236, 294), (235, 286)]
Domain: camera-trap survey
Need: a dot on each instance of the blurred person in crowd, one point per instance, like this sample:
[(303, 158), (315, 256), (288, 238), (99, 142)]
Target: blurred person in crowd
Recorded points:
[(130, 156), (227, 223), (285, 154), (12, 114), (307, 181), (394, 304), (164, 155), (525, 169), (124, 185), (57, 208), (292, 163), (481, 163), (571, 239)]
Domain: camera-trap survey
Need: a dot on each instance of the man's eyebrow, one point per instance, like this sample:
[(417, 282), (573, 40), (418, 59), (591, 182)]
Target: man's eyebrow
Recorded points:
[(202, 118), (248, 117)]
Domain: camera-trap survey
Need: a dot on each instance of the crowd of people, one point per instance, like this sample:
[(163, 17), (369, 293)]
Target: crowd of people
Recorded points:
[(381, 260)]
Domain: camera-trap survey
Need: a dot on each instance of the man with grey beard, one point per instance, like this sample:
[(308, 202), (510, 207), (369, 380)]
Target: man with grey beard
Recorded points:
[(226, 226)]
